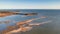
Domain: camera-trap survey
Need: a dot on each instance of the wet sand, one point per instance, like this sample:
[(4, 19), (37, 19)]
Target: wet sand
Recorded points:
[(19, 27)]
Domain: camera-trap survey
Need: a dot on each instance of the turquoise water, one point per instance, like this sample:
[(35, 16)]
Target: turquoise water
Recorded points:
[(49, 28)]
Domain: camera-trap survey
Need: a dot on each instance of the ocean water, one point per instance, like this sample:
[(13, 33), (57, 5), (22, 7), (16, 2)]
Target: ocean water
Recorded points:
[(49, 28)]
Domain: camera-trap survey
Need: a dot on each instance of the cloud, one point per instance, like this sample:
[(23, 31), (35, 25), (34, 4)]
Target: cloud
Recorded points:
[(29, 6)]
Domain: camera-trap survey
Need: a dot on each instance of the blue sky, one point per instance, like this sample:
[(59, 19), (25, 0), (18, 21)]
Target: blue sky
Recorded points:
[(29, 4)]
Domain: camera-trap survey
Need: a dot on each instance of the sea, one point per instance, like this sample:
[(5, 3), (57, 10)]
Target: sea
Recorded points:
[(52, 15)]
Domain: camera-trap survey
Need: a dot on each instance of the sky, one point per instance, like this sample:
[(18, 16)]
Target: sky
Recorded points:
[(29, 4)]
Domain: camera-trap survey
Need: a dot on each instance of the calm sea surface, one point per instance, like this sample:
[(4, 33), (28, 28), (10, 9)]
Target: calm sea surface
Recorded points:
[(49, 28)]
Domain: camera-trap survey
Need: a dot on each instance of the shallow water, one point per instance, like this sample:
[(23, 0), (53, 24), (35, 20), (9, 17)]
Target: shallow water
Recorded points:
[(49, 28)]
